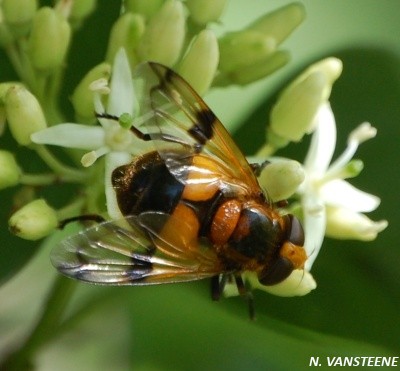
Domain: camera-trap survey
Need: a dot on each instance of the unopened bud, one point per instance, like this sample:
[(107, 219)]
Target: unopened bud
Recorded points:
[(49, 39), (81, 9), (6, 37), (9, 170), (146, 8), (293, 114), (126, 33), (346, 224), (18, 15), (3, 119), (163, 38), (280, 23), (24, 114), (200, 63), (205, 11), (282, 178), (82, 97), (33, 221), (248, 74), (244, 48)]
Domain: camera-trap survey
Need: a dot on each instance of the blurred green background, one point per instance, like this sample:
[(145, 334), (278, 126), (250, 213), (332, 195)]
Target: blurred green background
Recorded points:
[(355, 309)]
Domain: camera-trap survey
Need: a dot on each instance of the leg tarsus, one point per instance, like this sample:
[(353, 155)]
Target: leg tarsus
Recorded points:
[(81, 218), (217, 286), (247, 294), (258, 168)]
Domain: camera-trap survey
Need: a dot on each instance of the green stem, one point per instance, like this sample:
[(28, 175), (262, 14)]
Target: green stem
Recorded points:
[(37, 180), (58, 167), (49, 321), (265, 151), (72, 209), (21, 63)]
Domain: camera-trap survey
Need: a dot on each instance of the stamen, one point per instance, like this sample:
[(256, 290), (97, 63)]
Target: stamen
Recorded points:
[(359, 135), (362, 133), (90, 158), (100, 86)]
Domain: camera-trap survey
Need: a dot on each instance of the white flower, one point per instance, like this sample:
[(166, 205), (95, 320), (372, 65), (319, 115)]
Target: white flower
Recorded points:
[(111, 139), (299, 283), (330, 204)]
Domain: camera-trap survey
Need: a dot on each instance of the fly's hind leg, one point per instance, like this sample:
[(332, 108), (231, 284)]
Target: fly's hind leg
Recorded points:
[(81, 218), (247, 294), (218, 284)]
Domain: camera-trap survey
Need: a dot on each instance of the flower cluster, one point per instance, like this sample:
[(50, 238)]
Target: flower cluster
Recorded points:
[(177, 34)]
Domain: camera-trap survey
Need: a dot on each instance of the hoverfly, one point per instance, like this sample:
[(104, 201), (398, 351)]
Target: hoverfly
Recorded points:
[(192, 206)]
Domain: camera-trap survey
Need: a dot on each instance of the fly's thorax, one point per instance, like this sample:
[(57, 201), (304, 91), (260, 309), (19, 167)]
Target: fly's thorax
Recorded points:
[(259, 233)]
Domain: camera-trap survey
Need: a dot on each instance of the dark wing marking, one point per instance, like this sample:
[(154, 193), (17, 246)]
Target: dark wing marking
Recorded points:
[(111, 255), (181, 123)]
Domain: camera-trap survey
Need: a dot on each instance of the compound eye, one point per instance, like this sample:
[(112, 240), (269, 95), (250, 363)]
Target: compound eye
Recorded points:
[(296, 232), (277, 272)]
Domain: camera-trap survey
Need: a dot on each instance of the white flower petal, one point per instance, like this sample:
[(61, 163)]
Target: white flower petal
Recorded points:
[(113, 160), (323, 142), (343, 223), (299, 283), (341, 193), (71, 136), (121, 98), (314, 224)]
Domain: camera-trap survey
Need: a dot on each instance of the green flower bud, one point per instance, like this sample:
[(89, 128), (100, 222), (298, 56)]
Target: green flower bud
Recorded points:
[(81, 9), (293, 114), (346, 224), (48, 40), (18, 15), (204, 11), (4, 87), (200, 63), (23, 196), (126, 33), (147, 8), (24, 114), (163, 39), (3, 119), (248, 74), (6, 37), (9, 170), (282, 178), (33, 221), (280, 23), (244, 48), (82, 97)]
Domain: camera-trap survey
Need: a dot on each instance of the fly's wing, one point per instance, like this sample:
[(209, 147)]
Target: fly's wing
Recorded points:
[(182, 126), (139, 255)]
